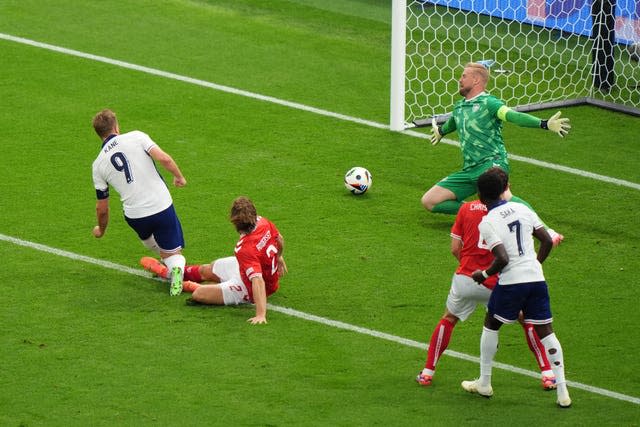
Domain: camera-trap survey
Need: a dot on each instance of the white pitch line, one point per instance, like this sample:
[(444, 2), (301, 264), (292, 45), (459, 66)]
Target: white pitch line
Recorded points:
[(322, 112), (197, 82), (295, 105), (322, 320)]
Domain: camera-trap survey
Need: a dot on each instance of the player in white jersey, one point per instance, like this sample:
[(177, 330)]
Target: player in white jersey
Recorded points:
[(507, 229), (126, 163)]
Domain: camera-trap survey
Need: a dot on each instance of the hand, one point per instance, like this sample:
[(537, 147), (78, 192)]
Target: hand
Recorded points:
[(97, 232), (282, 267), (477, 276), (179, 182), (436, 136), (558, 125), (258, 320)]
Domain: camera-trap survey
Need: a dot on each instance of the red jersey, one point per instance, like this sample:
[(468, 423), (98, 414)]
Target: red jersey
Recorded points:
[(475, 254), (257, 255)]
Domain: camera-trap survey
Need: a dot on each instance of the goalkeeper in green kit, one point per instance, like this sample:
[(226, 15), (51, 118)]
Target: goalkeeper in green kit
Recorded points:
[(478, 119)]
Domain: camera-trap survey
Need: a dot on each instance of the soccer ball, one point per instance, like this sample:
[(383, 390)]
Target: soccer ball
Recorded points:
[(357, 180)]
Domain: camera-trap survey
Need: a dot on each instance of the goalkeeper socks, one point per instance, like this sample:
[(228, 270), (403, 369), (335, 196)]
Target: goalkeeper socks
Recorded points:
[(438, 343), (536, 347), (447, 207), (192, 272)]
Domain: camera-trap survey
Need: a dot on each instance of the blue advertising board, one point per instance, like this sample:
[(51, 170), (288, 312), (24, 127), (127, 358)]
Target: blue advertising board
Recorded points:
[(572, 16)]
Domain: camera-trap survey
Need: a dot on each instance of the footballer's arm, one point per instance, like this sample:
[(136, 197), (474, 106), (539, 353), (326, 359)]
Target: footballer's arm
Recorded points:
[(259, 299), (102, 215), (546, 243), (282, 266), (500, 260), (169, 164), (456, 247)]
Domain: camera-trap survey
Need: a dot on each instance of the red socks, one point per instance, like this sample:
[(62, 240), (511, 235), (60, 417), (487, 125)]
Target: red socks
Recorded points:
[(537, 348), (192, 273), (438, 343)]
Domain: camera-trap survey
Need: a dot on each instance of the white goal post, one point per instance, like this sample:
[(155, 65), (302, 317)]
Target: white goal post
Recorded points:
[(541, 54)]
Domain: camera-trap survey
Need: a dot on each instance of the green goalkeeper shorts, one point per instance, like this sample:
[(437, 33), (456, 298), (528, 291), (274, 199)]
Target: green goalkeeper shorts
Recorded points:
[(464, 183)]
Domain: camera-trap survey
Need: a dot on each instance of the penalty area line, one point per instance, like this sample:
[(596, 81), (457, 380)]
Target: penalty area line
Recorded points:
[(321, 320), (296, 105)]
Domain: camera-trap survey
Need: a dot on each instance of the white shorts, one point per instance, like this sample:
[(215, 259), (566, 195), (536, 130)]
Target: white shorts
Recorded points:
[(233, 290), (465, 295)]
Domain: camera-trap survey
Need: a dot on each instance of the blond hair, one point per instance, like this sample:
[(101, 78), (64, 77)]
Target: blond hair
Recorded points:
[(105, 123), (479, 70)]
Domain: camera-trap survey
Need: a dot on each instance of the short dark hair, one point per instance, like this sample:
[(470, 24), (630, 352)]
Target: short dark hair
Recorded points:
[(502, 174), (492, 183)]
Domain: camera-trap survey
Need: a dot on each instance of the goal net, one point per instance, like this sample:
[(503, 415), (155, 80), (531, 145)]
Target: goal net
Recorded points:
[(541, 54)]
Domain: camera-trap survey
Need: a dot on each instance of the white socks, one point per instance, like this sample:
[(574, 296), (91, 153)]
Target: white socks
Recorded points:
[(556, 360), (488, 350), (176, 260)]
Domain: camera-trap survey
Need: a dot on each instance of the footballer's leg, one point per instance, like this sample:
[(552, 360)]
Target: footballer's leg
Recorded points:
[(192, 273), (175, 263), (539, 353), (488, 350), (189, 286), (208, 294), (464, 296), (437, 345), (154, 266), (208, 273), (555, 355), (230, 292), (440, 200), (498, 305)]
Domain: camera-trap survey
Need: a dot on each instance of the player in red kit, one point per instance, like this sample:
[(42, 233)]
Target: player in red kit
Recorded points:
[(465, 294), (249, 277), (259, 255)]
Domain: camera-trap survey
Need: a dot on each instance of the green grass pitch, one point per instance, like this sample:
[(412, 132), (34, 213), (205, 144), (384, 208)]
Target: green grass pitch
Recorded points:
[(87, 338)]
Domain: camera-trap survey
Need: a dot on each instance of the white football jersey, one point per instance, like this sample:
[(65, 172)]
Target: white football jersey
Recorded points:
[(512, 225), (124, 163)]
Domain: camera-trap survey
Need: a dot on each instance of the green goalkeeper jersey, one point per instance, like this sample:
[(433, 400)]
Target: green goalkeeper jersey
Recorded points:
[(478, 122), (479, 129)]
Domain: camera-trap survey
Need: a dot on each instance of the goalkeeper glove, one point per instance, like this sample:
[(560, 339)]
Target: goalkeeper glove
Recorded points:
[(436, 132), (556, 124)]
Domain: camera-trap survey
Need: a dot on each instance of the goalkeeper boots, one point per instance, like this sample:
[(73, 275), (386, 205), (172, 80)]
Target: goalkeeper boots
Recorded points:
[(154, 266), (475, 387)]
